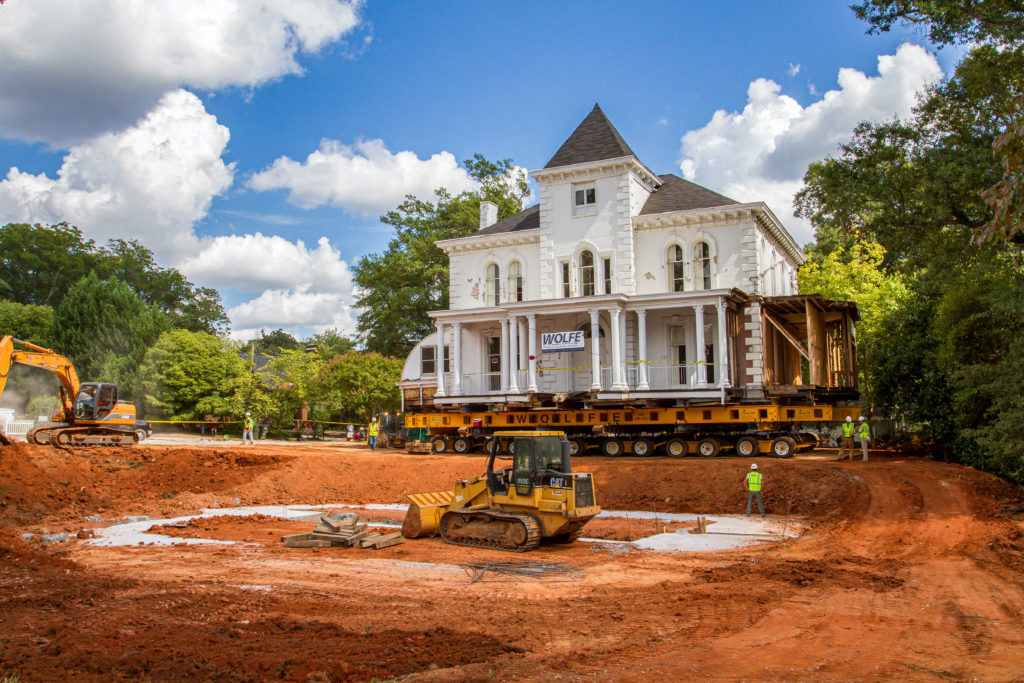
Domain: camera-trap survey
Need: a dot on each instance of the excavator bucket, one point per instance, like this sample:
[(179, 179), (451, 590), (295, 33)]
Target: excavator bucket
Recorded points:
[(424, 515)]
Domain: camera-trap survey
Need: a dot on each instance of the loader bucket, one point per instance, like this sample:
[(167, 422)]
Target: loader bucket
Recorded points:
[(424, 515)]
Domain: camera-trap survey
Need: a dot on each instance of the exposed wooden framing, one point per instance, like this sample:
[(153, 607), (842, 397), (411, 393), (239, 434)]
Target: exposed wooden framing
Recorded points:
[(790, 337), (817, 345)]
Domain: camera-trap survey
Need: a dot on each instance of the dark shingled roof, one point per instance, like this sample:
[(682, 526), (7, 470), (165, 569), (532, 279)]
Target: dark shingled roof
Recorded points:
[(676, 194), (524, 220), (594, 139)]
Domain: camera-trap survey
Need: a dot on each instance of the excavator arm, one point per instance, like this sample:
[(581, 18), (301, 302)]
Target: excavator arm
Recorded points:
[(38, 357)]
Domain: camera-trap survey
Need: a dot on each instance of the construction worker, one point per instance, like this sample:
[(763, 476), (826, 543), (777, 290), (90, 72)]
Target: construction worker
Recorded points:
[(247, 426), (864, 434), (754, 481), (372, 434), (847, 444)]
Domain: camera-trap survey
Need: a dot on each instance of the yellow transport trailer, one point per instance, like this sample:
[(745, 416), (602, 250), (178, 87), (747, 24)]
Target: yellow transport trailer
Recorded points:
[(747, 430)]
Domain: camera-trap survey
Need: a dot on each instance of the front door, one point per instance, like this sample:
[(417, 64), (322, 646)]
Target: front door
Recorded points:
[(493, 364)]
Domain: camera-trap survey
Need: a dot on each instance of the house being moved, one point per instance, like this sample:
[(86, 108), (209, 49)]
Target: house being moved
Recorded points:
[(625, 287)]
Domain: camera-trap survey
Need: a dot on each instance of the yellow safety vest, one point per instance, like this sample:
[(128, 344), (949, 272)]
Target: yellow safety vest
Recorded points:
[(248, 423), (864, 431), (373, 429), (847, 429), (753, 481)]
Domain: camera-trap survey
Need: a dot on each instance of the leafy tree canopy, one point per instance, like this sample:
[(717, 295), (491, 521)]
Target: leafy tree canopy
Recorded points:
[(331, 343), (274, 343), (949, 21), (105, 328), (39, 264), (27, 322), (187, 375), (400, 286), (360, 385)]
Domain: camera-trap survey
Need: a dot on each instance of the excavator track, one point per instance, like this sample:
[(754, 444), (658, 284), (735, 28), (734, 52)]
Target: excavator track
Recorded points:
[(497, 529), (67, 438)]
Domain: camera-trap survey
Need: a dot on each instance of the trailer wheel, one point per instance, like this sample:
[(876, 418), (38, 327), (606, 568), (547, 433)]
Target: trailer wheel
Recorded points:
[(708, 448), (676, 447), (783, 447), (612, 447), (577, 447), (492, 446), (747, 446), (461, 445), (439, 444), (642, 447)]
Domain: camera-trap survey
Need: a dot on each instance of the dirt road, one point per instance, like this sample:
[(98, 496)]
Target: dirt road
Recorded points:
[(905, 571)]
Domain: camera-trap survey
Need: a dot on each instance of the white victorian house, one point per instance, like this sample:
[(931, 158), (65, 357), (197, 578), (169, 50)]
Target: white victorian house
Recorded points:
[(680, 295)]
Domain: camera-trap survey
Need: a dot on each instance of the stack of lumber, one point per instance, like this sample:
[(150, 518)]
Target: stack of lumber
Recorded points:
[(344, 530)]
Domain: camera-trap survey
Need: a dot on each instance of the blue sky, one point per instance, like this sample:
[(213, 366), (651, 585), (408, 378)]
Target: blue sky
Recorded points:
[(191, 129)]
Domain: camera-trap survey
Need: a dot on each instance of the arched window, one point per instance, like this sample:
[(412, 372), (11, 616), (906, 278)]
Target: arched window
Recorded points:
[(493, 285), (676, 278), (702, 265), (515, 281), (587, 274)]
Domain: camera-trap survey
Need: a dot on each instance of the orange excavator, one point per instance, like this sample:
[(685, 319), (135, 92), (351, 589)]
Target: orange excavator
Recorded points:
[(89, 413)]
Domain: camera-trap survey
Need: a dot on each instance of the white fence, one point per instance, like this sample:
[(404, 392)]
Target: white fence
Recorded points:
[(17, 429)]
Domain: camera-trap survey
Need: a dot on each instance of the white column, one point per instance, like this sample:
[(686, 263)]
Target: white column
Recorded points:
[(531, 321), (623, 350), (702, 374), (456, 359), (722, 348), (595, 350), (439, 359), (504, 355), (617, 384), (523, 352), (513, 364), (641, 348)]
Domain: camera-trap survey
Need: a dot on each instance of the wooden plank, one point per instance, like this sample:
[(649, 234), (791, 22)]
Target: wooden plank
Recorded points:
[(296, 537), (388, 543), (307, 544), (330, 524)]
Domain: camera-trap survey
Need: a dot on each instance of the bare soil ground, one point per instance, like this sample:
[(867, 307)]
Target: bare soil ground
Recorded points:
[(907, 571)]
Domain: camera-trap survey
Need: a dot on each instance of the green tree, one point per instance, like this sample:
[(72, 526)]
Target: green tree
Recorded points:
[(27, 322), (274, 343), (289, 385), (856, 274), (400, 286), (949, 21), (39, 264), (105, 329), (361, 385), (187, 375), (189, 307), (331, 343)]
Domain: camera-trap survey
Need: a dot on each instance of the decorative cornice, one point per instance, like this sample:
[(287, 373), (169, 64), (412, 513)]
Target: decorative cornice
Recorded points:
[(594, 169), (491, 241)]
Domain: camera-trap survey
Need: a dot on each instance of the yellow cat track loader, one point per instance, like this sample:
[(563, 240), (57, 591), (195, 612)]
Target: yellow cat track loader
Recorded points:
[(89, 413), (538, 498)]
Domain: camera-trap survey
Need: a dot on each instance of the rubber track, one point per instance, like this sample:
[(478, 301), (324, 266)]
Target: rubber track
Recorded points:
[(532, 531), (87, 431)]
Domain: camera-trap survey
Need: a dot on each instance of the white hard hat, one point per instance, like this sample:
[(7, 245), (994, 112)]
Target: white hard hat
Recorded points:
[(754, 466), (373, 420), (860, 419), (849, 419), (247, 414)]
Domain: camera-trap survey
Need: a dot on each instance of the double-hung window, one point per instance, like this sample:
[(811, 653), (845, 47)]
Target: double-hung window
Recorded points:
[(587, 285)]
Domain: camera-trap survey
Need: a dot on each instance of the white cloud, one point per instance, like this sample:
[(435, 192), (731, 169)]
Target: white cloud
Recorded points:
[(364, 178), (762, 153), (71, 69), (793, 69), (296, 310), (151, 182)]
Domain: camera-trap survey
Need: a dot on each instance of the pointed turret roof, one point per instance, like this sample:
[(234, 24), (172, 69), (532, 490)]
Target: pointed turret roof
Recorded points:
[(593, 140)]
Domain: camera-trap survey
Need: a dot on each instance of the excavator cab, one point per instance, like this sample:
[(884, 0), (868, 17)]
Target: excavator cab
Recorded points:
[(94, 401)]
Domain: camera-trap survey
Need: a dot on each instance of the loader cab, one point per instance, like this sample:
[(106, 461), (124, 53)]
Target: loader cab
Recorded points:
[(533, 454), (95, 401)]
